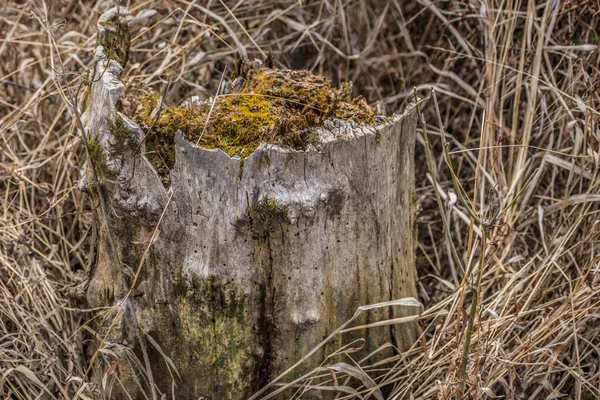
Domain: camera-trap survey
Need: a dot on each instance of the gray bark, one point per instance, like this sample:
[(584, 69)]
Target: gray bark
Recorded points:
[(256, 260)]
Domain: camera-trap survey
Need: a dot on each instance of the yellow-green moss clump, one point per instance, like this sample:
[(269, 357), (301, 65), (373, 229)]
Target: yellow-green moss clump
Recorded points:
[(98, 157), (271, 106)]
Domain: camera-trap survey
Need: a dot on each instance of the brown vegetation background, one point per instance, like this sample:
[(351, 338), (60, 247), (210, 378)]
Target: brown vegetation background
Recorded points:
[(518, 86)]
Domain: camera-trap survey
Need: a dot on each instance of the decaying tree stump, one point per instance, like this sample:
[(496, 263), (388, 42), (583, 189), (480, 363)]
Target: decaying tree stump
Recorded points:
[(254, 260)]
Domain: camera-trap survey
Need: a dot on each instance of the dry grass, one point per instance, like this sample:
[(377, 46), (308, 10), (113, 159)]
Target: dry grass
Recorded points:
[(518, 91)]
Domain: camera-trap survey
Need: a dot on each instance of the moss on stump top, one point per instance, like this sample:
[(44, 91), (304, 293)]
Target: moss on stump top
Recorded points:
[(267, 105)]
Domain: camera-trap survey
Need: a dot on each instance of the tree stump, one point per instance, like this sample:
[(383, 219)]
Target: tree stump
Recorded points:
[(254, 261)]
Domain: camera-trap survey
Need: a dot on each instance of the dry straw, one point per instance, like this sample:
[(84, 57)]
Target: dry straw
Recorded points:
[(508, 231)]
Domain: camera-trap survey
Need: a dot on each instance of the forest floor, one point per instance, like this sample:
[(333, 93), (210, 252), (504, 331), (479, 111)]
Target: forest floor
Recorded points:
[(512, 139)]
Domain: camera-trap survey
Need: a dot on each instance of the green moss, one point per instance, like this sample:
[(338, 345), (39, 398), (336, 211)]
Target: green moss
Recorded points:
[(121, 137), (97, 156), (238, 127), (210, 320), (272, 106), (145, 104), (93, 190), (160, 149), (116, 41), (267, 215)]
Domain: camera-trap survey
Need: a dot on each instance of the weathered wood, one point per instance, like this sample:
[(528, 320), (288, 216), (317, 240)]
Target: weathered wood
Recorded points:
[(256, 260)]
